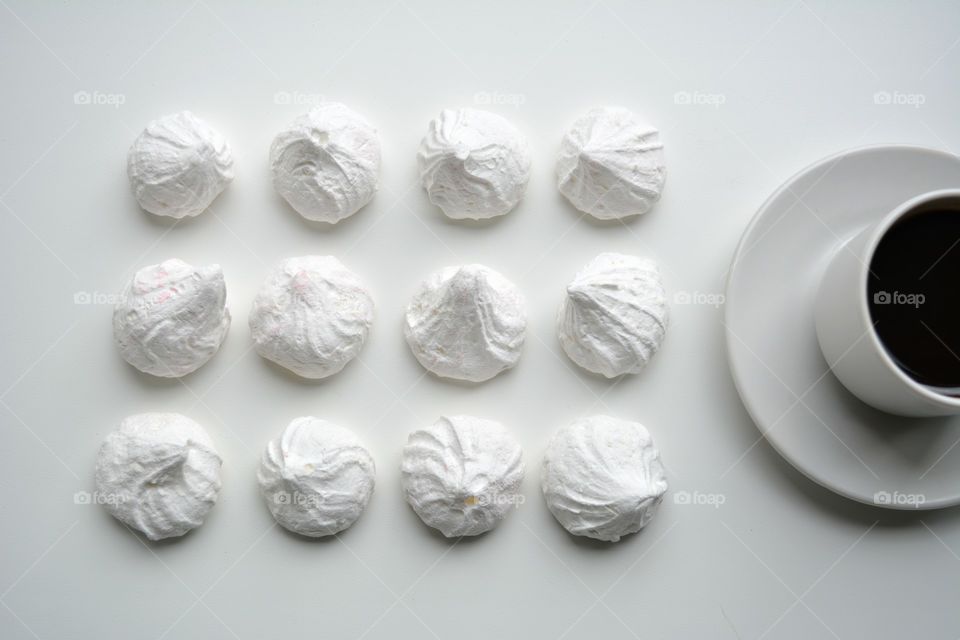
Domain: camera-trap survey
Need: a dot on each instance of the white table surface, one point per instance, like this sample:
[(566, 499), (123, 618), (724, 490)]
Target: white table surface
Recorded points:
[(771, 86)]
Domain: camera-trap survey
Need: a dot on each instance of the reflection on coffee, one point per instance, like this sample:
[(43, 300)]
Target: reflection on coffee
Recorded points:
[(914, 295)]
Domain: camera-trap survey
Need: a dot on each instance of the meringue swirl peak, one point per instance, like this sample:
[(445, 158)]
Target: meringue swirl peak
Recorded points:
[(474, 164), (466, 322)]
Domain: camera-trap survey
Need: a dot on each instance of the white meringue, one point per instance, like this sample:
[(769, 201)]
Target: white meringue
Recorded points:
[(611, 164), (312, 316), (171, 318), (326, 164), (602, 477), (159, 473), (316, 478), (462, 474), (474, 164), (614, 316), (178, 165), (466, 322)]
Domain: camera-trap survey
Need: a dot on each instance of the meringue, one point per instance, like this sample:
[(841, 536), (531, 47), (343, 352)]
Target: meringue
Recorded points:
[(466, 322), (158, 473), (611, 164), (178, 165), (316, 478), (614, 316), (312, 316), (474, 164), (462, 474), (171, 318), (326, 164), (602, 477)]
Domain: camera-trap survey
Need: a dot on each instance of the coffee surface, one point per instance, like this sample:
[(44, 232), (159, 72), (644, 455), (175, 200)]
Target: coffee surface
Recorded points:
[(914, 296)]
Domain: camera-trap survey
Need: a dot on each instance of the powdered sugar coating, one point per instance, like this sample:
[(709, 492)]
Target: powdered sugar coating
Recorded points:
[(312, 316), (172, 318), (474, 164), (178, 165), (466, 322), (614, 316), (602, 477), (462, 474), (316, 478), (326, 164), (611, 164), (158, 473)]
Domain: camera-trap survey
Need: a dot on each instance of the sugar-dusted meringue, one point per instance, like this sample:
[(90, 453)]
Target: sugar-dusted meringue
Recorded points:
[(158, 473), (171, 318), (611, 164), (326, 164), (474, 164), (614, 315), (312, 316), (466, 322), (316, 477), (462, 474), (602, 477), (178, 165)]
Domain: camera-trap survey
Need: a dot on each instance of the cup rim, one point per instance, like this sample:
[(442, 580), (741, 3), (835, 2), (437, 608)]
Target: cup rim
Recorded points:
[(876, 235)]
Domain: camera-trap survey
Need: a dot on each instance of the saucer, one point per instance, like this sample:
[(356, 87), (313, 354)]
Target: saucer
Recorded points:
[(799, 406)]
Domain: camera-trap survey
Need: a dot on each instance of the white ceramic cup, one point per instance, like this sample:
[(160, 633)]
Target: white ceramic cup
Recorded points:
[(850, 344)]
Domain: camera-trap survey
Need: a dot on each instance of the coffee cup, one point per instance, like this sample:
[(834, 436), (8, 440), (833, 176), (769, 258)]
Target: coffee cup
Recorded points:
[(887, 311)]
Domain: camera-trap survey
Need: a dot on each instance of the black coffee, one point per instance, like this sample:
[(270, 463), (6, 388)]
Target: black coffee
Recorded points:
[(914, 295)]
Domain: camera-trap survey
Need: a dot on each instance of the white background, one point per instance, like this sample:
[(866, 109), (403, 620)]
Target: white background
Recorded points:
[(772, 87)]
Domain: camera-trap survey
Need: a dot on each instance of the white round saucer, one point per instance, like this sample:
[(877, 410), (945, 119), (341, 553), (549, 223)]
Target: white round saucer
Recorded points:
[(798, 405)]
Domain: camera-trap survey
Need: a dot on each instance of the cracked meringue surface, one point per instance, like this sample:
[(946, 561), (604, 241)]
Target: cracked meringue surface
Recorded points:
[(178, 165), (474, 164), (614, 315), (158, 473), (462, 474), (611, 164), (326, 164), (466, 322), (312, 316), (172, 318), (316, 477), (602, 477)]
